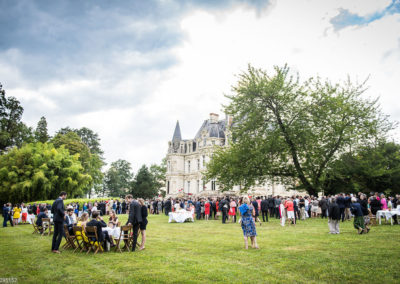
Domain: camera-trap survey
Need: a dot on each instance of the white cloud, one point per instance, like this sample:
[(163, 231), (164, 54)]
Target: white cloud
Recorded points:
[(217, 45)]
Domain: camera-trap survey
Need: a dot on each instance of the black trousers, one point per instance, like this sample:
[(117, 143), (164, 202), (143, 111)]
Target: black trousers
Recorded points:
[(224, 215), (342, 214), (323, 213), (167, 212), (198, 215), (57, 236), (135, 230), (277, 216), (264, 215), (271, 211)]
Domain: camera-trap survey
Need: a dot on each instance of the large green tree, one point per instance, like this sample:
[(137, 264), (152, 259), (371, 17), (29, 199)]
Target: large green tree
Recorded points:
[(374, 168), (118, 178), (144, 185), (39, 171), (92, 163), (292, 131), (41, 133), (13, 132), (158, 173)]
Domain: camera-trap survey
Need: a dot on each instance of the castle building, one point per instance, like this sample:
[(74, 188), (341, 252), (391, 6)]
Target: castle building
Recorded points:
[(187, 159)]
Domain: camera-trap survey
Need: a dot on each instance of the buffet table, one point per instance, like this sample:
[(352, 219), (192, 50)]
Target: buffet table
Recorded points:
[(180, 216), (387, 214)]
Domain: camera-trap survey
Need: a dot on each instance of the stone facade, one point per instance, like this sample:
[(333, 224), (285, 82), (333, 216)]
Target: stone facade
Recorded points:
[(187, 159)]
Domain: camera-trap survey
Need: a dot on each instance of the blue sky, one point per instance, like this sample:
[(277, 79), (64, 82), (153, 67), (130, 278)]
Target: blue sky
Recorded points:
[(130, 69)]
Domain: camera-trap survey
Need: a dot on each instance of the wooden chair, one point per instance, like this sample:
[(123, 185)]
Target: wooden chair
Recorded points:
[(46, 225), (82, 245), (372, 218), (126, 236), (35, 228), (94, 243), (70, 240)]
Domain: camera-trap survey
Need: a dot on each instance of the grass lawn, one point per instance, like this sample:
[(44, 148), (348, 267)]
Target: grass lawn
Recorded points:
[(209, 251)]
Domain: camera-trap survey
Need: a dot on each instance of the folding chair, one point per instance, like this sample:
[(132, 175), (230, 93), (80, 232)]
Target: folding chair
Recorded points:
[(82, 244), (35, 228), (126, 236), (46, 225), (94, 244), (70, 240)]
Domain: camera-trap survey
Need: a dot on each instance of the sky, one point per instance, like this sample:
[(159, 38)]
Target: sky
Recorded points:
[(129, 70)]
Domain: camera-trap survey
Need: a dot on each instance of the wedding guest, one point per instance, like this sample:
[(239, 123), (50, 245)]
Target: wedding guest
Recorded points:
[(135, 218), (323, 204), (207, 206), (16, 214), (113, 221), (24, 214), (375, 205), (358, 216), (39, 221), (383, 202), (144, 223), (290, 210), (232, 210), (7, 215), (58, 212), (256, 211), (82, 223), (302, 205), (248, 224), (347, 205), (334, 217), (167, 206), (98, 222), (69, 220), (314, 207), (264, 209)]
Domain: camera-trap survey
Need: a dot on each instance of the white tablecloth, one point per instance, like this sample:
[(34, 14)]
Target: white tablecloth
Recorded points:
[(387, 214), (113, 232), (180, 217)]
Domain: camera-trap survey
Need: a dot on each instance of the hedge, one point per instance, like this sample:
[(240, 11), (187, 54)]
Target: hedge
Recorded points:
[(81, 201)]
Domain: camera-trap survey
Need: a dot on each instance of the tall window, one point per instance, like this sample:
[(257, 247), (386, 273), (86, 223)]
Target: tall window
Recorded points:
[(204, 161), (167, 187), (188, 186), (204, 142), (198, 186), (204, 186), (169, 166), (188, 166), (213, 185), (198, 164)]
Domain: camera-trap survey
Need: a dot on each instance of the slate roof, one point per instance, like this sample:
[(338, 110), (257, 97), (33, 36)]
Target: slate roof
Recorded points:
[(213, 129)]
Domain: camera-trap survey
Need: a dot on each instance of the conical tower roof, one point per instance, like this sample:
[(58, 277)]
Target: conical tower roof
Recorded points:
[(177, 133)]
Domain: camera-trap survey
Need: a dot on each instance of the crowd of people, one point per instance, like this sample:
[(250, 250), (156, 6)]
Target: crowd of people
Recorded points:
[(246, 210)]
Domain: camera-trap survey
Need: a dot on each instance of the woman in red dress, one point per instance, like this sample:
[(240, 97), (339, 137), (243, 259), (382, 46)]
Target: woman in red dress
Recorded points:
[(207, 209)]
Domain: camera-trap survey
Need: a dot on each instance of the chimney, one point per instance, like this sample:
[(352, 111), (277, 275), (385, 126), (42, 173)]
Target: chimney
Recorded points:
[(214, 118)]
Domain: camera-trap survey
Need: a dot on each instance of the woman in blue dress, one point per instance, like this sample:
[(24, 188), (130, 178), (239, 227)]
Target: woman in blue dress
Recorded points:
[(248, 225)]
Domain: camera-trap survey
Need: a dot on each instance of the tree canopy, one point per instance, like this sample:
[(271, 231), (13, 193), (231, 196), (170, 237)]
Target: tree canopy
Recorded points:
[(374, 168), (41, 133), (144, 185), (40, 171), (13, 132), (118, 178), (292, 131)]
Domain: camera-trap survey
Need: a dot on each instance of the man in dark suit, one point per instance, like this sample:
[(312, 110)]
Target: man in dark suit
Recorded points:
[(167, 206), (341, 203), (264, 208), (58, 212), (98, 222), (135, 218), (224, 208), (7, 215)]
